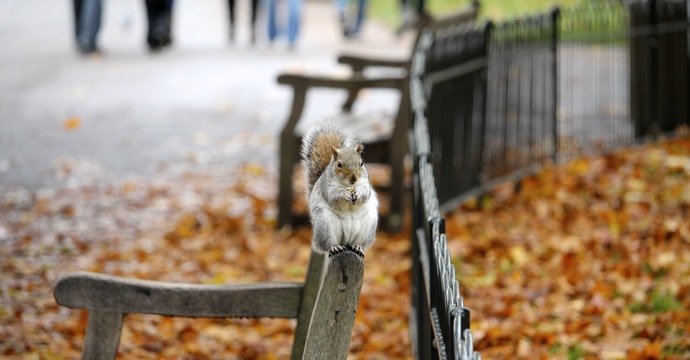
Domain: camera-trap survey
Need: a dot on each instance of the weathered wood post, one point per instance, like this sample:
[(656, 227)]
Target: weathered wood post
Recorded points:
[(333, 318), (103, 332)]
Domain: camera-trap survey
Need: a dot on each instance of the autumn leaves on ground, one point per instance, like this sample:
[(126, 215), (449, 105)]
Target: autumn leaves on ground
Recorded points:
[(589, 259)]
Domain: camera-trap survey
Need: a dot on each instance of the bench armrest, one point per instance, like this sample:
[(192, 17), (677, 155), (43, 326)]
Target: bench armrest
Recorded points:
[(359, 63), (112, 294)]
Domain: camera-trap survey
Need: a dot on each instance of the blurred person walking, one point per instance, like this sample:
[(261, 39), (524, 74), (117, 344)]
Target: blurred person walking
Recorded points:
[(350, 28), (87, 23), (413, 14), (276, 26), (231, 12), (159, 17)]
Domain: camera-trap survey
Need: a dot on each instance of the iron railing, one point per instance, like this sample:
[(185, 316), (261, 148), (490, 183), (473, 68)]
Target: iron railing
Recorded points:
[(659, 65), (522, 95), (499, 101), (440, 321), (594, 115)]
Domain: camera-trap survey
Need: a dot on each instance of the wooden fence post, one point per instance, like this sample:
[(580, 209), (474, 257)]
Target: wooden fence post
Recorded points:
[(333, 319)]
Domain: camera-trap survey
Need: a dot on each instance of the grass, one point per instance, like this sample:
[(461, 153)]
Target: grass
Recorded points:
[(576, 352), (389, 12), (660, 303)]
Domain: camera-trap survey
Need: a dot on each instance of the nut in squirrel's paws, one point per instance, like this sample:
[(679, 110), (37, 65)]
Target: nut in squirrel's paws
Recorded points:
[(351, 195)]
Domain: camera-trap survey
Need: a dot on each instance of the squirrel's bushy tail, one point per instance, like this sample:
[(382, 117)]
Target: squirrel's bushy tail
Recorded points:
[(316, 149)]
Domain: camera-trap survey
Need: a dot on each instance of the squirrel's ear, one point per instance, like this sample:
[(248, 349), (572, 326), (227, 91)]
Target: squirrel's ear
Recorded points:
[(335, 151), (359, 148)]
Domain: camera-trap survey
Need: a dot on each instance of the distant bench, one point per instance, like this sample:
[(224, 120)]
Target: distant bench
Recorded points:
[(384, 137)]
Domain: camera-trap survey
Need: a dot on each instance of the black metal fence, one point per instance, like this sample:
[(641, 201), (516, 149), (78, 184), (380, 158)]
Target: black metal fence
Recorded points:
[(522, 95), (623, 74), (554, 86), (440, 322), (456, 63), (659, 65), (500, 101), (594, 86)]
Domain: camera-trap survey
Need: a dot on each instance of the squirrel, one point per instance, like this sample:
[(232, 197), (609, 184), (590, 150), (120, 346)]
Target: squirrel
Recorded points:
[(343, 206)]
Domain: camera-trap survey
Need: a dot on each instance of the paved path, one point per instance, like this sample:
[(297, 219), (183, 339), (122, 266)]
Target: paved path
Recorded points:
[(205, 101)]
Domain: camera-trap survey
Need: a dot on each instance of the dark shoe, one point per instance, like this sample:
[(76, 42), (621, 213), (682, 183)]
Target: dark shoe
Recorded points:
[(158, 43), (159, 33), (351, 34), (91, 50)]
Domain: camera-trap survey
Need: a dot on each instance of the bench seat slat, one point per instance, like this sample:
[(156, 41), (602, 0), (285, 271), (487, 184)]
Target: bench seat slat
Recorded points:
[(106, 293), (309, 81)]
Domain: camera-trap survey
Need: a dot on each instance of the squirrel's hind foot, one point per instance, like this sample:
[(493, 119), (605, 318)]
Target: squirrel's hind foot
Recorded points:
[(335, 250), (357, 249)]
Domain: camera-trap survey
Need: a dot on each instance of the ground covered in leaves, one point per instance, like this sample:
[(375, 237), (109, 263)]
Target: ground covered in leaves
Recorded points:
[(214, 226), (589, 259)]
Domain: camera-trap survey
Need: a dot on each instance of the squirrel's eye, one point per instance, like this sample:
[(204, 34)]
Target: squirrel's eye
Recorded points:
[(339, 164), (361, 163)]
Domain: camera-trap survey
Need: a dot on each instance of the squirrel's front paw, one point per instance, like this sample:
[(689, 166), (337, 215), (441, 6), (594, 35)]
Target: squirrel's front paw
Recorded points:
[(351, 195)]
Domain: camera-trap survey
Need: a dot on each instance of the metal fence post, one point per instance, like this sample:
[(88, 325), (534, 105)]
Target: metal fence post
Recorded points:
[(555, 16)]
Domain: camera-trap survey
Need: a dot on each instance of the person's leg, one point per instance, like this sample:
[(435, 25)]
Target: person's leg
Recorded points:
[(340, 12), (410, 15), (421, 8), (340, 7), (272, 30), (89, 25), (169, 23), (159, 20), (77, 17), (231, 18), (255, 11), (294, 14), (361, 13)]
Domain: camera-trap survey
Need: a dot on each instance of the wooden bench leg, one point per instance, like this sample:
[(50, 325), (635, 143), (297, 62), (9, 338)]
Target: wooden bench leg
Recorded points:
[(285, 186), (102, 335), (399, 147), (289, 155), (397, 194)]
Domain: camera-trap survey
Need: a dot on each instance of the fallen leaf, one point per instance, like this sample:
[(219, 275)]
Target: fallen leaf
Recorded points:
[(72, 123)]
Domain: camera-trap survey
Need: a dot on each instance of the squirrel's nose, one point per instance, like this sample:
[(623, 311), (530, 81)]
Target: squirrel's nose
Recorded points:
[(353, 179)]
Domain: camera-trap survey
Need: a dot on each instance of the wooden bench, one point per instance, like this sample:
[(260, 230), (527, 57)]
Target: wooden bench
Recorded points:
[(324, 306), (385, 138)]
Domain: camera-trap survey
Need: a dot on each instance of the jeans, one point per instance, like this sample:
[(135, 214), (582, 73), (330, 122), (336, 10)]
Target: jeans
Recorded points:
[(294, 13), (361, 7), (159, 19), (87, 23)]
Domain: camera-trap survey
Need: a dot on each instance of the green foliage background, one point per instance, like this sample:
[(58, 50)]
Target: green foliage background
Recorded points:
[(389, 11)]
